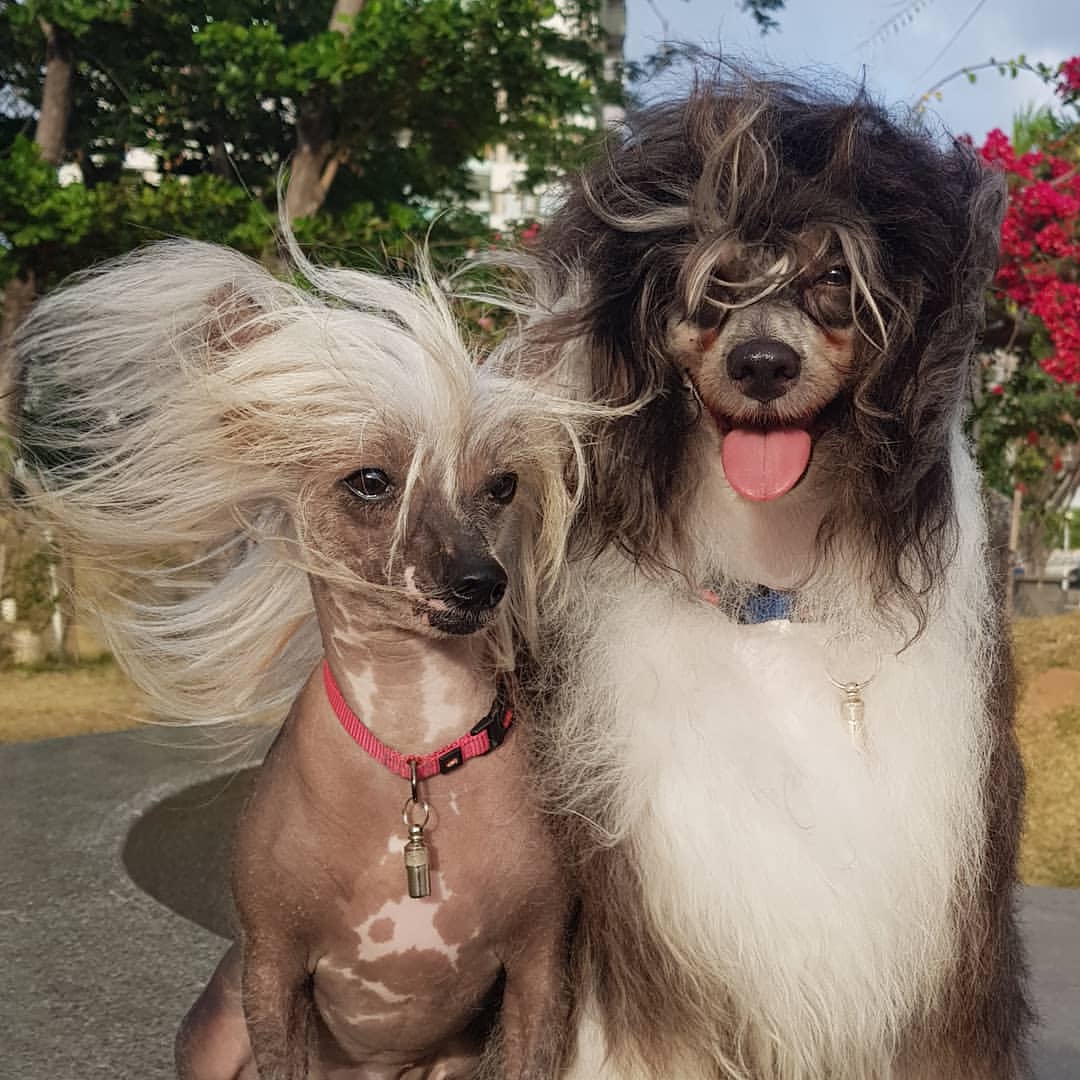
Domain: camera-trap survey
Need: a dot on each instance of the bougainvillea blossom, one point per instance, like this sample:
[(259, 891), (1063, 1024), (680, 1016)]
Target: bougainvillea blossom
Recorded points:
[(1040, 236), (1069, 77)]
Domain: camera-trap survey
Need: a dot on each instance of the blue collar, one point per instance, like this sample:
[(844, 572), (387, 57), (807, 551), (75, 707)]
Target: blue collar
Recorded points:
[(765, 605)]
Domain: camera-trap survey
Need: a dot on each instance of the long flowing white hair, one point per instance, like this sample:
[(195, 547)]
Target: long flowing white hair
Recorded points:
[(181, 410)]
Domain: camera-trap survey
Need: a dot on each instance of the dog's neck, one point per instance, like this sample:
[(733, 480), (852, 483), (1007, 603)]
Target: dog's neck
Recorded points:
[(415, 693), (773, 544)]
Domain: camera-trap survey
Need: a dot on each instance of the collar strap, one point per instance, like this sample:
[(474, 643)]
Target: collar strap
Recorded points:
[(761, 605), (766, 605), (484, 737)]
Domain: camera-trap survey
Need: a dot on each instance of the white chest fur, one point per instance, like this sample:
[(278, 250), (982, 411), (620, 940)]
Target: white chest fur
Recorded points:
[(814, 886)]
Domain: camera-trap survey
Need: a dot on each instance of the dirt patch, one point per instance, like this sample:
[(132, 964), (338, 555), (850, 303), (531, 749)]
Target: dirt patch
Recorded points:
[(1051, 691), (1048, 727), (70, 701)]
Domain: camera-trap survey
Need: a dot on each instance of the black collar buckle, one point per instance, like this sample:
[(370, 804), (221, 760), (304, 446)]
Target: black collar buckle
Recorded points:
[(496, 723)]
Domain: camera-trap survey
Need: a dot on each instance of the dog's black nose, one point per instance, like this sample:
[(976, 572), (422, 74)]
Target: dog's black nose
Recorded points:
[(476, 582), (763, 367)]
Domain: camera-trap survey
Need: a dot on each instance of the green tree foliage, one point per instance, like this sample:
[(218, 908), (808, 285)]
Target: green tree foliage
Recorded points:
[(1027, 425), (403, 93), (764, 13)]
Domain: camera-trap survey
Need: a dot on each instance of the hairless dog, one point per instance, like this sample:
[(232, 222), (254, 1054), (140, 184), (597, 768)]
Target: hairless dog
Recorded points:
[(318, 497)]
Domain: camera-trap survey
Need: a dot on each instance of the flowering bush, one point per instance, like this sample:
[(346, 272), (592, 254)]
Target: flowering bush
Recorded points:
[(1027, 420), (1039, 275), (1070, 77)]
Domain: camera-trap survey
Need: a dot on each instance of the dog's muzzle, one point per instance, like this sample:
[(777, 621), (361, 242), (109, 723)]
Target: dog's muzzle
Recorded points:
[(476, 584), (764, 368), (765, 461)]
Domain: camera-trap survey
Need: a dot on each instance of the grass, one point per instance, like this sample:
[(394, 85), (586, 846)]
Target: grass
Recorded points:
[(1048, 725), (47, 702)]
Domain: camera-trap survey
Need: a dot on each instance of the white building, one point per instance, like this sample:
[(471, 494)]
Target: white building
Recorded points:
[(498, 177)]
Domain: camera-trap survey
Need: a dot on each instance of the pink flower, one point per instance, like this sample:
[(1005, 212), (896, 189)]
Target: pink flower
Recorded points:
[(1069, 77)]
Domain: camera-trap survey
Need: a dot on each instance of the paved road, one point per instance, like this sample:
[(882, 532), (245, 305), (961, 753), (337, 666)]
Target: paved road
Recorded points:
[(112, 912)]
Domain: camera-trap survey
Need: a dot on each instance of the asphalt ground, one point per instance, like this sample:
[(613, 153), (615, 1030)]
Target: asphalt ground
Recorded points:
[(113, 910)]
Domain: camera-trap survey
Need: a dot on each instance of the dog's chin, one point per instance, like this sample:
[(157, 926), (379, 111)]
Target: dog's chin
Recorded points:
[(765, 455), (459, 622)]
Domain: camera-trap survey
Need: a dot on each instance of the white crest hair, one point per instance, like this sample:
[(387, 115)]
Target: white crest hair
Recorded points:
[(182, 408)]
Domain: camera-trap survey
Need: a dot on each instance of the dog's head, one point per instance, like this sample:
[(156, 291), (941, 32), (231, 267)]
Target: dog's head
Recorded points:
[(792, 285), (768, 350), (437, 515), (429, 549), (417, 481), (185, 398)]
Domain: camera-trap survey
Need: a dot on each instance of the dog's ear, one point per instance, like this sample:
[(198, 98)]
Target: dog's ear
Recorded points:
[(616, 339), (235, 320), (946, 300), (939, 260), (984, 193), (636, 463)]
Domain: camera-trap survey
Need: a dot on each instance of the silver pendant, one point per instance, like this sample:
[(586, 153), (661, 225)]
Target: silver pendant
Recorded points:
[(417, 863), (853, 711), (852, 707)]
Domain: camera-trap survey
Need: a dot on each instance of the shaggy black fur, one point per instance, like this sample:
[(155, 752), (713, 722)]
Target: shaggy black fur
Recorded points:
[(732, 179), (758, 164)]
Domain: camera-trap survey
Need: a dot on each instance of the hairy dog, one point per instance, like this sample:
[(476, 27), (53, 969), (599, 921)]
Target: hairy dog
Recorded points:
[(780, 731), (316, 502)]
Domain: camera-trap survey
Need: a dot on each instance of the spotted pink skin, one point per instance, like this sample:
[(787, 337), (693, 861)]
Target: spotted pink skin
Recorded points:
[(320, 884)]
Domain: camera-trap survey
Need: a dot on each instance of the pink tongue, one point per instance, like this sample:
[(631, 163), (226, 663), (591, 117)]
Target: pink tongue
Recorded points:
[(763, 465)]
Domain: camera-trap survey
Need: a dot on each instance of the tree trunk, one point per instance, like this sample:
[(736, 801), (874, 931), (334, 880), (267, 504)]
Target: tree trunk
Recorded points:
[(52, 125), (308, 170), (21, 291), (314, 164), (220, 165), (67, 646), (19, 294), (1033, 548), (51, 139)]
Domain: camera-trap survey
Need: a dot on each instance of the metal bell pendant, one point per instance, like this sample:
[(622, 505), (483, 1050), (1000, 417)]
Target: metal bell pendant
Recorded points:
[(417, 864)]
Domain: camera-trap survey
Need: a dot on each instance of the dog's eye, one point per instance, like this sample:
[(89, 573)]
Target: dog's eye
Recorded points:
[(503, 487), (368, 483), (836, 276)]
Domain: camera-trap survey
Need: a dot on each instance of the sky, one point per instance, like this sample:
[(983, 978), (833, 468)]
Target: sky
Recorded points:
[(901, 62)]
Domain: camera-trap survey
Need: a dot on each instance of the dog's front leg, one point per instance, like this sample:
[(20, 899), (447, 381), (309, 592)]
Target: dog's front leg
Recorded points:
[(213, 1041), (536, 1004), (278, 1006)]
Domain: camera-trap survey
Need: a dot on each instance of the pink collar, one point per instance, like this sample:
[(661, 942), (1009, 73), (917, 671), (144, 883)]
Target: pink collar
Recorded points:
[(486, 736)]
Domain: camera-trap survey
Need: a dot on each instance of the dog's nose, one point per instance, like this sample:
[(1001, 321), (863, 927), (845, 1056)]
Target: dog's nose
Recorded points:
[(477, 582), (763, 368)]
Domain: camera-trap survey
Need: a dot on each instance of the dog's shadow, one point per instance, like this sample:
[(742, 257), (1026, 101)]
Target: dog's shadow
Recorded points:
[(178, 852)]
